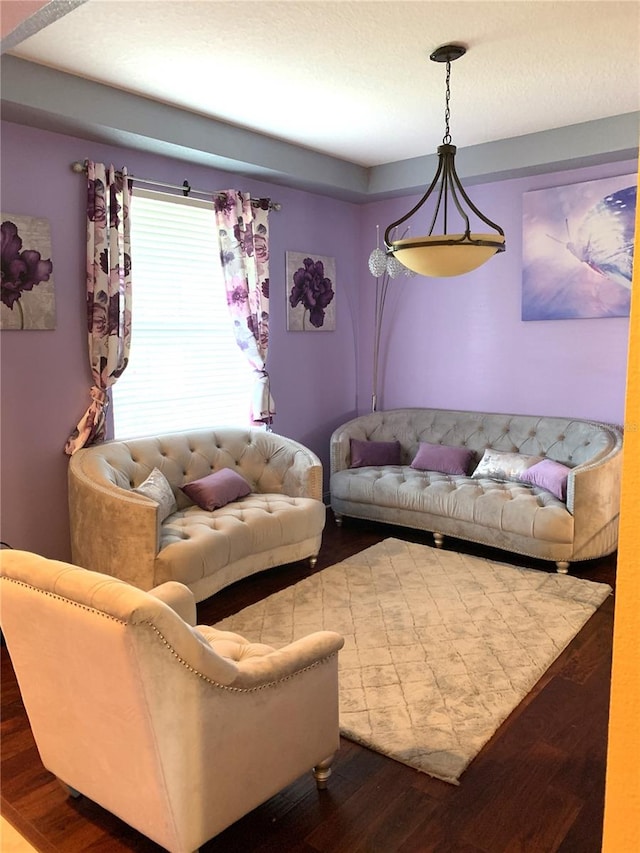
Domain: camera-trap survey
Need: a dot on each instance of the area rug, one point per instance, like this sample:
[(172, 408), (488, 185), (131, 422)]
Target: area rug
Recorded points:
[(440, 647)]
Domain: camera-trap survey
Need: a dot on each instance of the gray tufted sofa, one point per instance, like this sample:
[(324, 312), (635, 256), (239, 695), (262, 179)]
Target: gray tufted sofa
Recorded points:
[(504, 514), (117, 531)]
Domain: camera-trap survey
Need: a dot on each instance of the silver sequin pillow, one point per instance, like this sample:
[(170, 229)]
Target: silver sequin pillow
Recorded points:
[(157, 487), (502, 465)]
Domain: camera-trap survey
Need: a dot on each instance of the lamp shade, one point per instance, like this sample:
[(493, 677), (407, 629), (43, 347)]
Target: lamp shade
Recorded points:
[(446, 254)]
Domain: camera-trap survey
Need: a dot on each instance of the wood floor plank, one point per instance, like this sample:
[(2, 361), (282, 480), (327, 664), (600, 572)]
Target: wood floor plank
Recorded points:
[(536, 787)]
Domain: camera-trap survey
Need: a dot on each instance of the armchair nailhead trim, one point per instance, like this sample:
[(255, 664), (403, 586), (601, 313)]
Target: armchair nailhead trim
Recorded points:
[(227, 686), (66, 600), (170, 647)]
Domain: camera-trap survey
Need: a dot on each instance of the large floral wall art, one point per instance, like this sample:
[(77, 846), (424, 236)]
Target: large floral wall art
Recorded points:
[(311, 284), (578, 250), (27, 295)]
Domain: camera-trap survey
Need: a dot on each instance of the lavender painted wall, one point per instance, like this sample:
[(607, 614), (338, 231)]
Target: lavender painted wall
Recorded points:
[(450, 343), (45, 375), (460, 342)]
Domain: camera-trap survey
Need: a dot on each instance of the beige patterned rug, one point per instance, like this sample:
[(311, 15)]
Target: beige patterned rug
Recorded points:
[(439, 648)]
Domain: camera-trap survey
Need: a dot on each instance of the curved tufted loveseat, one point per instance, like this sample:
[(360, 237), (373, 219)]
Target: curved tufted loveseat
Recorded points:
[(117, 531), (501, 513)]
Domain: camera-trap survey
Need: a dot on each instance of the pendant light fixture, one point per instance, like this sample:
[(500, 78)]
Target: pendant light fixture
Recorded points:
[(455, 249)]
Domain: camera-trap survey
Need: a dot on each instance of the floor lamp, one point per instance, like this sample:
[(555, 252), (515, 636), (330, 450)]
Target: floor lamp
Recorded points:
[(384, 268)]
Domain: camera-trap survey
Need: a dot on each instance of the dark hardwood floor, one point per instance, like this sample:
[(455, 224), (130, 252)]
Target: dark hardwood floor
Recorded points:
[(536, 787)]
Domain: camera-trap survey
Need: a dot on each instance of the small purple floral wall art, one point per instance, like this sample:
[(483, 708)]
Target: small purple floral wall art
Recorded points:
[(577, 250), (311, 285), (27, 299)]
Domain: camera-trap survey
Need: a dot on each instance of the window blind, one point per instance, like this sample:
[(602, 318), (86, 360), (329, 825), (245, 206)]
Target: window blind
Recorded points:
[(185, 369)]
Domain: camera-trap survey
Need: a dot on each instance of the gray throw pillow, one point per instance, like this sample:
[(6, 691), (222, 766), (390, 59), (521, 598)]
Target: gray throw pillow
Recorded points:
[(504, 465), (157, 487)]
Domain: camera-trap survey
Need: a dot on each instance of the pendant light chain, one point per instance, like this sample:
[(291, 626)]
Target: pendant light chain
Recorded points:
[(446, 139)]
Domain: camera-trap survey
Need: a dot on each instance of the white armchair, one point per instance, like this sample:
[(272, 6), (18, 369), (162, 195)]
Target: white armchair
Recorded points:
[(178, 730)]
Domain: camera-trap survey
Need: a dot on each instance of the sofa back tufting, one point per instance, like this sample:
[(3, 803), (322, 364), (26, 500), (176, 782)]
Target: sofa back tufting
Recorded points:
[(567, 440)]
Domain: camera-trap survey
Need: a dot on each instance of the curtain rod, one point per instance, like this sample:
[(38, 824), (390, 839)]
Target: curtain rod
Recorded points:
[(185, 189)]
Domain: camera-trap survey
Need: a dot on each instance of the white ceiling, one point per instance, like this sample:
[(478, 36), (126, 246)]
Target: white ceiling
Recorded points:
[(353, 79)]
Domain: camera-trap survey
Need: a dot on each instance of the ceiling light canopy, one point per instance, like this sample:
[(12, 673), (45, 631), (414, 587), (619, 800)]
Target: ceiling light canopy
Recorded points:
[(453, 249)]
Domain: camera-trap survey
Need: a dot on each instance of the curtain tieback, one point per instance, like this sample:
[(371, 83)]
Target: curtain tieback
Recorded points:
[(99, 397)]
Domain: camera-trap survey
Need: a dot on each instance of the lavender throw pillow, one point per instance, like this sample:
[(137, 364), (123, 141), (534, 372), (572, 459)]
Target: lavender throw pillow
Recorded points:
[(442, 458), (217, 489), (374, 453), (549, 475)]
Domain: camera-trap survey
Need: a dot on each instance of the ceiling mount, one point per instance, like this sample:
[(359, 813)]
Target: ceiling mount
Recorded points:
[(448, 53)]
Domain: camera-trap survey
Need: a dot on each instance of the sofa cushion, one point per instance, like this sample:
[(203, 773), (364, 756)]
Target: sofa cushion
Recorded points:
[(501, 465), (237, 539), (365, 453), (508, 506), (217, 489), (442, 458), (157, 487), (549, 475)]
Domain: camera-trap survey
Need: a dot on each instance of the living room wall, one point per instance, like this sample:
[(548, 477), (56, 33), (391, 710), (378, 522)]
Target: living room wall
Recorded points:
[(449, 343), (45, 375), (461, 343)]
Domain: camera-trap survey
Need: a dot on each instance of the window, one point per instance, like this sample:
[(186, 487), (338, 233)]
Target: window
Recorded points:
[(185, 369)]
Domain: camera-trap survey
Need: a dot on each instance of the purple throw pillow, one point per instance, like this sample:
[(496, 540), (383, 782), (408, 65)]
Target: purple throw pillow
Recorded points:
[(549, 475), (442, 458), (217, 489), (374, 453)]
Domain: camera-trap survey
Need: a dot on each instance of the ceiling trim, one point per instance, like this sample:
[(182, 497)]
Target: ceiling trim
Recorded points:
[(42, 97), (40, 19)]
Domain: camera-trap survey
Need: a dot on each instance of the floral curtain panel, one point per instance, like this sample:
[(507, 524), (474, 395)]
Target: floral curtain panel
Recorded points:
[(108, 294), (243, 234)]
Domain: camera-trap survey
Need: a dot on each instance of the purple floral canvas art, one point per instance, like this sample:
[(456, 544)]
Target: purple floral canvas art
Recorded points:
[(27, 299), (577, 250), (311, 284)]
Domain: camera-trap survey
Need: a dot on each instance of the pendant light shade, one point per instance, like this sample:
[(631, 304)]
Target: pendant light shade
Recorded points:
[(439, 257), (450, 247)]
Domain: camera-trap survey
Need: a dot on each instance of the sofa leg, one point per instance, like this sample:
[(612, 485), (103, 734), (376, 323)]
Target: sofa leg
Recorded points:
[(438, 538), (322, 771), (338, 519), (562, 567), (313, 561), (71, 792)]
